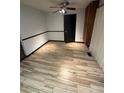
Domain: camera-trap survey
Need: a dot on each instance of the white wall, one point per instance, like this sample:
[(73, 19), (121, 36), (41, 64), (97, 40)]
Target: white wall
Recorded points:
[(56, 36), (55, 22), (33, 43), (32, 22), (97, 41), (80, 25)]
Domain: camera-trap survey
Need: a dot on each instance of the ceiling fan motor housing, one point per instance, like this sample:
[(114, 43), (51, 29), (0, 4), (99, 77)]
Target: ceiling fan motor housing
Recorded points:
[(63, 4)]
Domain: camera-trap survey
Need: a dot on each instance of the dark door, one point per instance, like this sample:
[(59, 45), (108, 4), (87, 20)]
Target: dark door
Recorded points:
[(69, 27), (90, 13)]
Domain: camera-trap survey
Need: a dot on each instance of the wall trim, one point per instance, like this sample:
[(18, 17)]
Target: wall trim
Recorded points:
[(55, 31), (34, 36), (39, 34), (56, 41)]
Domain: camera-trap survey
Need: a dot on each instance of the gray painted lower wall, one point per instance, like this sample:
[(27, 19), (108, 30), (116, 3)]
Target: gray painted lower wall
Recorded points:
[(32, 44)]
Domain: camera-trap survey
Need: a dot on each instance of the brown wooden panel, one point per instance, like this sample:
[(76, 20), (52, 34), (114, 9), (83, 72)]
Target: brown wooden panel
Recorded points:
[(90, 13)]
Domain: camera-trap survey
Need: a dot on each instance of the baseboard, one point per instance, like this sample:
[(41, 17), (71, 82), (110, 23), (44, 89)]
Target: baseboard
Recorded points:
[(41, 46), (23, 58), (89, 54), (46, 43), (64, 41), (56, 40), (79, 42)]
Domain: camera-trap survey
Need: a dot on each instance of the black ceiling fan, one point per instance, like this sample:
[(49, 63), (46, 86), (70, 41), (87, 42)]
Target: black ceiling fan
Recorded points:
[(63, 7)]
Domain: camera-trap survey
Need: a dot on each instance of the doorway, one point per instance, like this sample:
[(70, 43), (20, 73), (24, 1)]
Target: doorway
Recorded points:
[(69, 27)]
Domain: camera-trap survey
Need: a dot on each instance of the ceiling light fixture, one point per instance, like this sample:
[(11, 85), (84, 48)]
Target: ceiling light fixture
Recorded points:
[(62, 11)]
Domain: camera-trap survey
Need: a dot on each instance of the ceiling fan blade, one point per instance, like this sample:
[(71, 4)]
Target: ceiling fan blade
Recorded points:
[(54, 7), (70, 8), (55, 11)]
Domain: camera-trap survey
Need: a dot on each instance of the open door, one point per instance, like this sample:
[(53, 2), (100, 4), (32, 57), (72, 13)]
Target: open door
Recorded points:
[(69, 27)]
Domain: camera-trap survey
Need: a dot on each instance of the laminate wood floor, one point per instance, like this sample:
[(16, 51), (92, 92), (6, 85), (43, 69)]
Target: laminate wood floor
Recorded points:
[(60, 67)]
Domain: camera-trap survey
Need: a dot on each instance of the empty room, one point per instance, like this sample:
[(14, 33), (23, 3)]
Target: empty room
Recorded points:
[(61, 46)]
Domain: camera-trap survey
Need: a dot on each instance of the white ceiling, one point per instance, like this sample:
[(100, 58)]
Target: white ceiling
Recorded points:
[(45, 4)]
